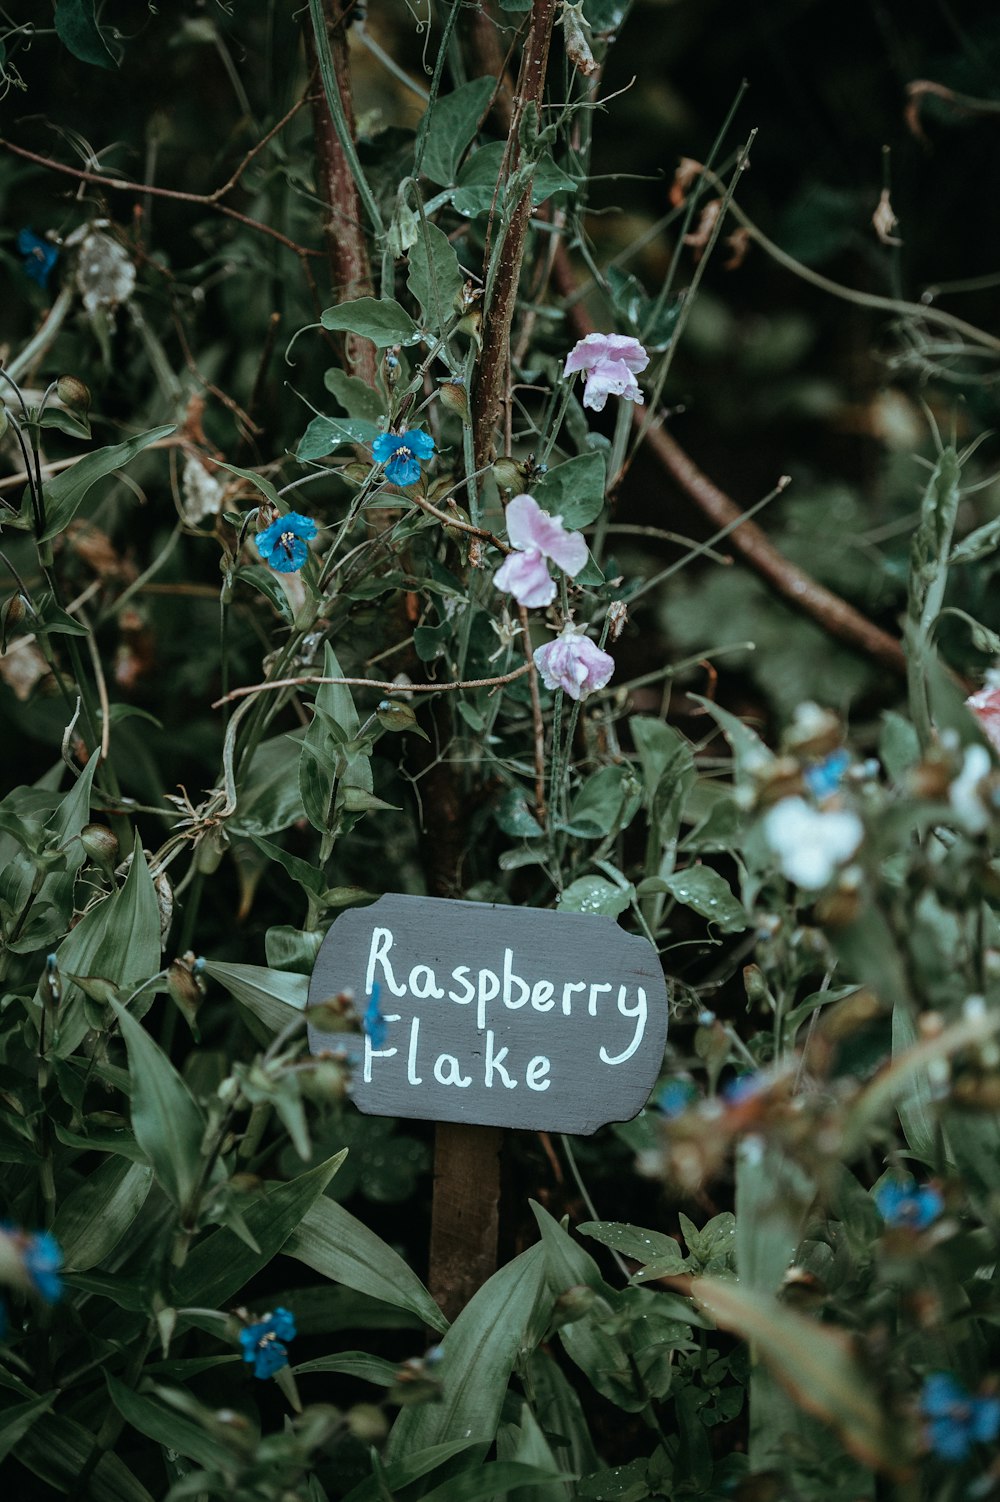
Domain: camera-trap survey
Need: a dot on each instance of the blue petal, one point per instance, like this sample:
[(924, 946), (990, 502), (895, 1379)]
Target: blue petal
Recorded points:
[(401, 471), (421, 443), (985, 1418), (941, 1393), (949, 1439), (385, 445)]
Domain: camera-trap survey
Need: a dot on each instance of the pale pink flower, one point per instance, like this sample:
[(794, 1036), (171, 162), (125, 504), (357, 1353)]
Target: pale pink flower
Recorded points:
[(985, 705), (526, 576), (535, 536), (611, 362), (574, 663)]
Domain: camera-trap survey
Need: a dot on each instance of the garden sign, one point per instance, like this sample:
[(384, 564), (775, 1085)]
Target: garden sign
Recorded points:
[(494, 1015)]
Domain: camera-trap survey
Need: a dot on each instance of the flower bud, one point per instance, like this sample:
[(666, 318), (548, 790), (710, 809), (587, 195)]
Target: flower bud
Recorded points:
[(391, 367), (267, 515), (573, 1304), (454, 396), (73, 393), (392, 715), (576, 41), (10, 618), (367, 1423), (100, 843), (185, 991)]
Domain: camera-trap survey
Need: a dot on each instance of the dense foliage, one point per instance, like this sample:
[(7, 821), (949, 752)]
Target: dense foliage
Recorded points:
[(345, 550)]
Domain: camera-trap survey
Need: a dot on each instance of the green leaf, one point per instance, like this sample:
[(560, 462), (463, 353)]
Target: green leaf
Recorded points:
[(657, 1252), (77, 29), (380, 319), (332, 1242), (310, 878), (402, 1473), (56, 1449), (548, 178), (167, 1122), (608, 801), (222, 1262), (265, 582), (478, 1356), (118, 939), (593, 894), (816, 1363), (494, 1480), (18, 1419), (334, 724), (574, 490), (166, 1426), (269, 798), (773, 1197), (358, 1364), (451, 126), (703, 890), (65, 493), (435, 278), (514, 816), (356, 398), (259, 482), (325, 434), (94, 1218)]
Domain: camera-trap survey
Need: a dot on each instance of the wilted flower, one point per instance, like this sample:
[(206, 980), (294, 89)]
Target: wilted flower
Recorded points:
[(262, 1342), (810, 844), (955, 1419), (572, 662), (284, 544), (964, 794), (105, 274), (985, 705), (202, 492), (39, 256), (611, 363), (884, 221), (536, 536), (903, 1204), (31, 1261), (401, 454)]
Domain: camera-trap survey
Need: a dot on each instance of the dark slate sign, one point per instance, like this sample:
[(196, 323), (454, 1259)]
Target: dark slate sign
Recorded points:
[(496, 1016)]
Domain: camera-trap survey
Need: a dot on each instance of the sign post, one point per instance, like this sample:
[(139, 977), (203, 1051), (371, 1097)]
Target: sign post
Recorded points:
[(491, 1017)]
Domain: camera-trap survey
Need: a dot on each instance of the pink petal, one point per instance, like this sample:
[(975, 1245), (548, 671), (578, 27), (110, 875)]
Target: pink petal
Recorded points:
[(610, 378), (529, 527), (586, 353), (573, 663), (630, 351), (525, 576), (985, 705)]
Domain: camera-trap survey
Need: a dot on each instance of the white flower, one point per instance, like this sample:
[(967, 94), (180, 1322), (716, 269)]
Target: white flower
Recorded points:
[(810, 844), (202, 492), (964, 795)]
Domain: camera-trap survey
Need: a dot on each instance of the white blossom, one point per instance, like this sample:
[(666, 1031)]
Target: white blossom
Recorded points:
[(811, 843)]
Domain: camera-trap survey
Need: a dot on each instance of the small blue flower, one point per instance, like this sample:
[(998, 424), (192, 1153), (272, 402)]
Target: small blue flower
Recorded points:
[(744, 1087), (904, 1204), (674, 1098), (262, 1342), (373, 1022), (956, 1420), (284, 544), (39, 256), (401, 454), (824, 777), (40, 1257)]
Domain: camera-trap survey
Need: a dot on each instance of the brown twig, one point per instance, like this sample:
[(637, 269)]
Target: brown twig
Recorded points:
[(207, 200), (347, 249), (389, 688), (455, 521), (491, 373), (800, 589)]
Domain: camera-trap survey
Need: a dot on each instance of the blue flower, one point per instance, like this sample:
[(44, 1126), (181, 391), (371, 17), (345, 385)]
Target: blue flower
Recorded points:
[(743, 1088), (956, 1420), (284, 544), (373, 1022), (902, 1203), (38, 1258), (262, 1342), (675, 1097), (824, 777), (401, 453), (39, 256)]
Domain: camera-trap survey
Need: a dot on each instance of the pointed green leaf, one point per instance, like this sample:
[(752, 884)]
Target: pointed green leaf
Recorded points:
[(167, 1122), (221, 1263), (93, 1219), (56, 1449), (478, 1356), (18, 1419), (66, 492), (332, 1242), (435, 277), (380, 319)]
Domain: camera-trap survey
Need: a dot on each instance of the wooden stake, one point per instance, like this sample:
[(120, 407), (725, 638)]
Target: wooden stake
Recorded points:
[(464, 1213)]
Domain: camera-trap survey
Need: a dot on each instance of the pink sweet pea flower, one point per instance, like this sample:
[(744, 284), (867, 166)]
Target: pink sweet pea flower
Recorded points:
[(611, 362), (985, 705), (536, 536), (527, 578), (573, 662)]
